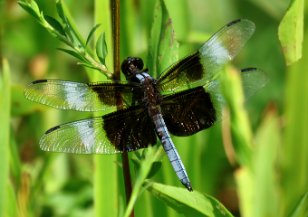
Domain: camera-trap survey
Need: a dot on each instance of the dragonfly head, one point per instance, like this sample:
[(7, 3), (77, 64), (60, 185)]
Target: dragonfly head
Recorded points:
[(131, 66)]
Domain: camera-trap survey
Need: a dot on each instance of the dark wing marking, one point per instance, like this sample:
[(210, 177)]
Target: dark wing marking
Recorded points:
[(80, 96), (203, 66), (193, 110), (125, 130), (130, 130), (188, 112)]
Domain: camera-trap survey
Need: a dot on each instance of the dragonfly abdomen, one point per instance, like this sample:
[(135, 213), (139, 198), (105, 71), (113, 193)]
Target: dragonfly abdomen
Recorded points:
[(152, 99), (171, 151)]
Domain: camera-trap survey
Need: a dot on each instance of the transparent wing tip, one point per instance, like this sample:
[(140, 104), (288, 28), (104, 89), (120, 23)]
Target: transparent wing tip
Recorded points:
[(253, 79)]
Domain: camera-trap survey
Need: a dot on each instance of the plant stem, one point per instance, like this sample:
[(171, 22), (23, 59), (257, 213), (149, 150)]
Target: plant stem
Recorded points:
[(4, 134), (127, 179), (116, 38), (116, 76)]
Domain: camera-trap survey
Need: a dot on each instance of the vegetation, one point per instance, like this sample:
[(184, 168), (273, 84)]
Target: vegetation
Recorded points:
[(252, 163)]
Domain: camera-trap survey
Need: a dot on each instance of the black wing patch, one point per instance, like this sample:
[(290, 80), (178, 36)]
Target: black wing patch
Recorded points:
[(188, 112), (130, 129), (124, 130)]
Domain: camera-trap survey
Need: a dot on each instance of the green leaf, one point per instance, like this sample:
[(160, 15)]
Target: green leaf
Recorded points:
[(5, 104), (291, 31), (73, 53), (169, 47), (101, 48), (258, 188), (301, 208), (12, 207), (49, 23), (31, 7), (179, 11), (88, 66), (163, 50), (151, 156), (55, 24), (60, 11), (245, 189), (92, 33), (267, 142), (189, 203), (105, 177), (240, 127), (69, 27), (156, 166), (294, 151)]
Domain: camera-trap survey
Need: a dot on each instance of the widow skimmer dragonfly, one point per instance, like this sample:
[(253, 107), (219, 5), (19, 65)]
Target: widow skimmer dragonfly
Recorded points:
[(180, 102)]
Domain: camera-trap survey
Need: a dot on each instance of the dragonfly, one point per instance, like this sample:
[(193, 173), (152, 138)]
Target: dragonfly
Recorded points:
[(181, 102)]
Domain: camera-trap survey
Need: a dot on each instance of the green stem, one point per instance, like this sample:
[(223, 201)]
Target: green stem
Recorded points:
[(106, 195), (5, 100), (152, 155)]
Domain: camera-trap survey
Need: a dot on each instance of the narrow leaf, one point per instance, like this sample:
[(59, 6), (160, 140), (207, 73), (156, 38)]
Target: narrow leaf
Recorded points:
[(156, 166), (88, 66), (60, 11), (69, 26), (5, 103), (92, 33), (163, 50), (240, 127), (73, 53), (31, 8), (154, 38), (291, 31), (12, 209), (55, 24), (267, 142), (189, 203), (168, 46), (105, 177), (301, 208), (34, 6), (294, 150), (101, 48), (152, 154)]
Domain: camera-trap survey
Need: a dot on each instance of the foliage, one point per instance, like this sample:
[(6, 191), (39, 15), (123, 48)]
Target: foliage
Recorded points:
[(293, 22), (259, 168), (66, 32)]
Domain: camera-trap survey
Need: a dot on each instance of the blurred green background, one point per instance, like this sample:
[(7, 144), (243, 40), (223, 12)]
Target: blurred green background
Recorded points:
[(35, 183)]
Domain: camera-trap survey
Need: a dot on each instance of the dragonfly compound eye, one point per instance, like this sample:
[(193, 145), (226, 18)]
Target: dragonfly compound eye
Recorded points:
[(131, 66)]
